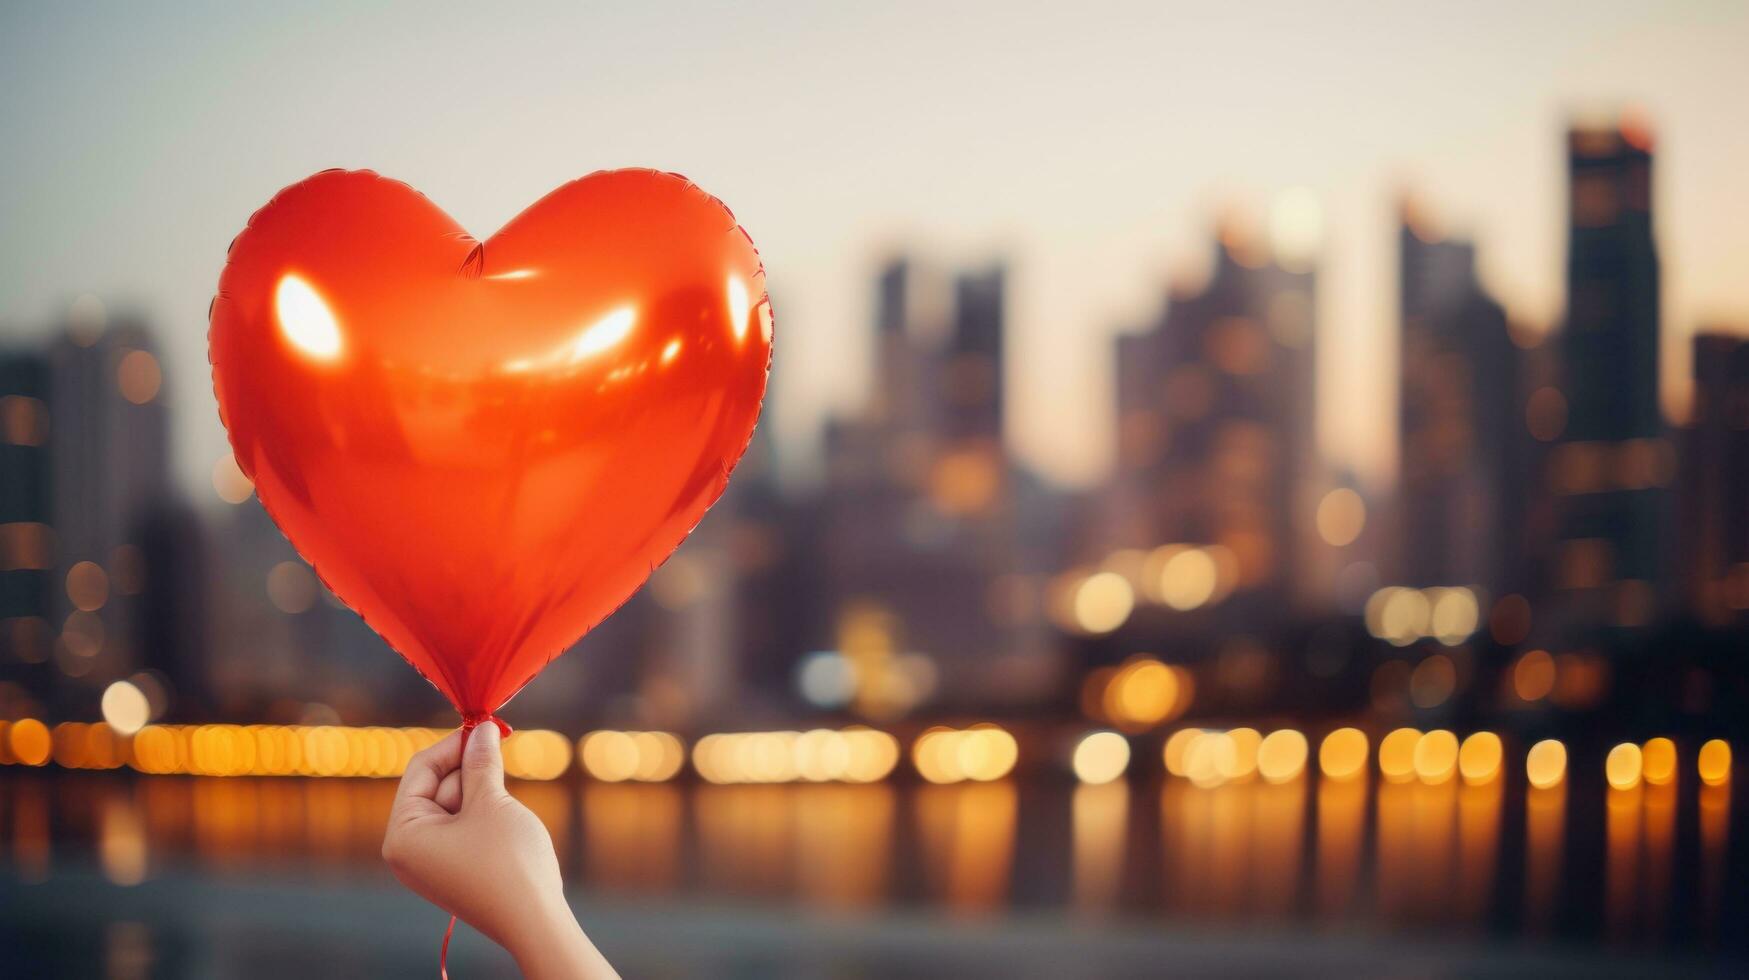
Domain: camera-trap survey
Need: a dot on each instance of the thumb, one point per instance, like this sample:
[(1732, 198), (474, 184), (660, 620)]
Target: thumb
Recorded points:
[(483, 765)]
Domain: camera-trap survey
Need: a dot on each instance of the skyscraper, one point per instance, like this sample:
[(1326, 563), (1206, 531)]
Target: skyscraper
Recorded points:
[(916, 522), (1460, 431), (972, 386), (1215, 416), (1715, 482), (84, 441), (26, 535), (1612, 460)]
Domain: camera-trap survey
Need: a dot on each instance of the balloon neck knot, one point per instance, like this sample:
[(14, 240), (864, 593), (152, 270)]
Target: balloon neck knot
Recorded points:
[(474, 719)]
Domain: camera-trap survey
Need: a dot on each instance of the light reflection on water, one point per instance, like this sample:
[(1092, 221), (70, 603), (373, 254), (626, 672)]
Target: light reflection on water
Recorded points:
[(1406, 856), (1545, 829)]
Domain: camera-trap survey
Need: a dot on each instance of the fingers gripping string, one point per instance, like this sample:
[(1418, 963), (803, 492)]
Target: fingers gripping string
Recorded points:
[(470, 721)]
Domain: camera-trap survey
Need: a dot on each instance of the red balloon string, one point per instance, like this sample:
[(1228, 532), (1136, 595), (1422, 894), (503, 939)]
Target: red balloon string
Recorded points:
[(469, 723)]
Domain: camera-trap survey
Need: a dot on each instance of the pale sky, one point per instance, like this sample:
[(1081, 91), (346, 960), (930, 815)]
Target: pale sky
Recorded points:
[(1090, 143)]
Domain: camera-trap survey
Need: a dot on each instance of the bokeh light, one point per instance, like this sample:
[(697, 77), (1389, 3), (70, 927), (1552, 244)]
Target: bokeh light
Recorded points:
[(1545, 765), (1342, 754), (1397, 755), (1713, 762), (1281, 756), (1341, 517), (1480, 757), (1622, 768), (29, 742), (1101, 757), (1658, 761), (1103, 601), (1174, 750), (1533, 676), (87, 586), (1188, 579), (1436, 756), (138, 376), (229, 482), (125, 708), (536, 754)]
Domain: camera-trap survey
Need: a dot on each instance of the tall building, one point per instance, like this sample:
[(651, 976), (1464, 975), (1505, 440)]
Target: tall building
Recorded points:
[(1612, 459), (1461, 435), (27, 590), (1215, 416), (971, 376), (916, 533), (1715, 482), (86, 477)]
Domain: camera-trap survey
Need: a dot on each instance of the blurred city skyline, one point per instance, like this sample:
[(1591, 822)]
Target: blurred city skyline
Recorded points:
[(1056, 140)]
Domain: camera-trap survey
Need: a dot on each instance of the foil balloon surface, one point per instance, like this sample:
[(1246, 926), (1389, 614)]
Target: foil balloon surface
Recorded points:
[(485, 447)]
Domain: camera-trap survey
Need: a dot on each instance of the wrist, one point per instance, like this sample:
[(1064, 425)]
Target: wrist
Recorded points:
[(549, 944)]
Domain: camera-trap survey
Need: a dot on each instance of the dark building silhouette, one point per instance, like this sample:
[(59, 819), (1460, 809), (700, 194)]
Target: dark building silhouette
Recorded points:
[(1612, 459), (87, 472), (174, 619), (1215, 415), (918, 536), (1461, 434), (971, 379), (1715, 482), (26, 511)]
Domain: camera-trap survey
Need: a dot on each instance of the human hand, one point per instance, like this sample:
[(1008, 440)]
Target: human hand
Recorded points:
[(458, 839)]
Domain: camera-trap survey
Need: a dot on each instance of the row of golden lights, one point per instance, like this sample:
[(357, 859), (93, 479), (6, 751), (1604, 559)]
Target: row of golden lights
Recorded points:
[(1403, 615), (1179, 577), (980, 753), (1216, 757)]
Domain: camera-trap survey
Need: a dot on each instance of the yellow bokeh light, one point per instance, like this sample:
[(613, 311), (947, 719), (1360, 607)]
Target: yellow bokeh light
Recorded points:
[(660, 756), (1342, 754), (1101, 757), (1103, 602), (125, 708), (1281, 757), (1658, 761), (873, 755), (1545, 765), (1142, 693), (1341, 517), (611, 757), (1209, 758), (987, 753), (1398, 615), (536, 754), (1713, 762), (1479, 758), (1188, 579), (1454, 615), (1173, 754), (854, 755), (30, 742), (1397, 755), (1623, 766), (1436, 756), (1243, 764)]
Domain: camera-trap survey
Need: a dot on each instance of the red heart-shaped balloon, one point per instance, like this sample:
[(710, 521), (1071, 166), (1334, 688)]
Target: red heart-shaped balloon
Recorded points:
[(486, 447)]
